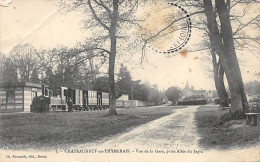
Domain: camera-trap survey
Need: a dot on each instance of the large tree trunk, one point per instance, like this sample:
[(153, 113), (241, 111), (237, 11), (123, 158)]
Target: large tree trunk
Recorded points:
[(219, 81), (227, 34), (228, 61), (222, 87), (112, 56)]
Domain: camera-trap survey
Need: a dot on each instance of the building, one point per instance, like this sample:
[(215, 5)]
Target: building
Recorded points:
[(165, 100), (189, 93), (123, 101), (18, 96), (186, 92), (124, 97)]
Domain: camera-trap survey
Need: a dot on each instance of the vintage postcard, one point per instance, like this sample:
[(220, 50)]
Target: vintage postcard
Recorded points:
[(129, 81)]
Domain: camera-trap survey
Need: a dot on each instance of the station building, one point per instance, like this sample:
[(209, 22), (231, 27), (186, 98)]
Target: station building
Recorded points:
[(18, 96)]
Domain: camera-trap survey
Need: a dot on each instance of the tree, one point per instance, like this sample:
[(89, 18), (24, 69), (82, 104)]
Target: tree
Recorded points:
[(124, 81), (34, 77), (67, 68), (218, 72), (101, 84), (223, 43), (8, 70), (110, 16), (221, 40), (237, 11), (46, 69), (173, 94), (25, 59), (155, 95), (141, 92)]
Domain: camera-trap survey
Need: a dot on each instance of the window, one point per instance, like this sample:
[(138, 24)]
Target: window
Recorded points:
[(65, 92), (34, 94), (46, 92), (10, 94)]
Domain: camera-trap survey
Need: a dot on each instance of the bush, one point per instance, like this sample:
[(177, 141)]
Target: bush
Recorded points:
[(254, 108), (193, 102), (40, 104), (217, 101)]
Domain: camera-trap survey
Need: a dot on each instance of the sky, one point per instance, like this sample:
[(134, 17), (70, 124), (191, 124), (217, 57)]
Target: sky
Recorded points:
[(40, 23)]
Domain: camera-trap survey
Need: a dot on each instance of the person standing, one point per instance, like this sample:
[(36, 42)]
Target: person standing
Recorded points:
[(69, 105)]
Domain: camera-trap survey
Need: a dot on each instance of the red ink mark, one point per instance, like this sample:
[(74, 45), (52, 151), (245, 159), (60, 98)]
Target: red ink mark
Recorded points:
[(195, 58), (183, 53)]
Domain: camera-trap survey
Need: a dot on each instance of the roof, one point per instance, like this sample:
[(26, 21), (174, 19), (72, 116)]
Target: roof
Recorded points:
[(199, 91), (21, 84)]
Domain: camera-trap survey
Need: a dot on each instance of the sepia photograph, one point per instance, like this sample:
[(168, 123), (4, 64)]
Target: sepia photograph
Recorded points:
[(129, 80)]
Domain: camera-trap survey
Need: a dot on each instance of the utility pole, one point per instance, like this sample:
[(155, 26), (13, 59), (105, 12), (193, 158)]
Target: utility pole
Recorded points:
[(132, 97), (1, 71)]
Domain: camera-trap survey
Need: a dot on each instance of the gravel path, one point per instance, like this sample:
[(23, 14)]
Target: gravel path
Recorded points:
[(172, 138), (175, 131)]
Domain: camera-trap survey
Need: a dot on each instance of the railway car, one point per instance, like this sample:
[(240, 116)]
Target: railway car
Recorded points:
[(18, 97), (92, 102), (105, 100), (81, 99), (76, 95)]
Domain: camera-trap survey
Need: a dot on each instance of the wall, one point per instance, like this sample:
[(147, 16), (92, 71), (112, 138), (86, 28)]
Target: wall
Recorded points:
[(133, 103), (29, 94), (11, 99)]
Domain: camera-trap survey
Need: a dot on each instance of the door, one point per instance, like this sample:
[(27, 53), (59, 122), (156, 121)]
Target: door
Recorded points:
[(99, 98)]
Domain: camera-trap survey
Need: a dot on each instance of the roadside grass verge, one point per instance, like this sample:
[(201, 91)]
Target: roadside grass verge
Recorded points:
[(43, 131), (232, 134)]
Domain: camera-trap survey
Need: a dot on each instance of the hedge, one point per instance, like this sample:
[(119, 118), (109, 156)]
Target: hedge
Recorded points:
[(217, 101), (193, 102)]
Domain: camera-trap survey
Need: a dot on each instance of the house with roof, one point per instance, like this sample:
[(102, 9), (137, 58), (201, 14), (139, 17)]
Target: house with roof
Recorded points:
[(189, 93)]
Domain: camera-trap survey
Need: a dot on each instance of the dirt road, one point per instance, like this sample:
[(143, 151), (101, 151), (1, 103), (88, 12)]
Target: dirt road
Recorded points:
[(173, 137), (175, 131)]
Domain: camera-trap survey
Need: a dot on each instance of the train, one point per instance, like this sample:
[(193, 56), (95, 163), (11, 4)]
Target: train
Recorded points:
[(82, 99)]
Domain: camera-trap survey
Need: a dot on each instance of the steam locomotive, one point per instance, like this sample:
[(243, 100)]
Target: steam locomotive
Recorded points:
[(81, 99)]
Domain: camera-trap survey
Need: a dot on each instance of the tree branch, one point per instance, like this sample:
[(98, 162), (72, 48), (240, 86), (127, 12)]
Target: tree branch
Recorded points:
[(241, 26), (96, 17), (158, 33), (100, 3)]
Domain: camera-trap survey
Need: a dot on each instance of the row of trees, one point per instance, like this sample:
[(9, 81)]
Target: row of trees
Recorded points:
[(56, 67), (126, 85), (65, 67)]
